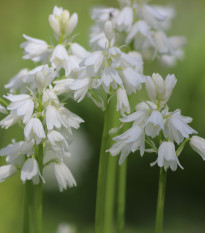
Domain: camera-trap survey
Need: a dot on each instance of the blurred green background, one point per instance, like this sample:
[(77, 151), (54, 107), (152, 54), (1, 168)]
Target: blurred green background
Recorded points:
[(185, 197)]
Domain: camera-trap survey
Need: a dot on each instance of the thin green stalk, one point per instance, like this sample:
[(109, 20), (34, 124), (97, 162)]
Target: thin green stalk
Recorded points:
[(3, 102), (106, 175), (37, 196), (100, 200), (112, 163), (122, 175), (27, 207), (160, 201), (111, 175)]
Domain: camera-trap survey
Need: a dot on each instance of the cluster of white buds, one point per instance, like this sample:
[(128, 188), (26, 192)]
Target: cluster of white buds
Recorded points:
[(62, 23), (140, 26), (155, 128)]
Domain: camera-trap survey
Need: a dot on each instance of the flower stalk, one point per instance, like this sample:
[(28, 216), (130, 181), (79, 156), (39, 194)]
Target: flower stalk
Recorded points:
[(122, 175), (27, 207), (160, 201), (37, 196), (106, 174), (99, 217)]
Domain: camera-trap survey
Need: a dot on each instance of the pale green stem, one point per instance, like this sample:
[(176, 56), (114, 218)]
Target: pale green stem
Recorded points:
[(122, 175), (106, 176), (112, 165), (27, 207), (37, 196), (3, 102), (99, 215), (160, 201)]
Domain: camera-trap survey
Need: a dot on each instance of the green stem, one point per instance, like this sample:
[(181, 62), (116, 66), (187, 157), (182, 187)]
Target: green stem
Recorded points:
[(106, 175), (3, 102), (27, 207), (112, 165), (122, 174), (160, 201), (37, 196)]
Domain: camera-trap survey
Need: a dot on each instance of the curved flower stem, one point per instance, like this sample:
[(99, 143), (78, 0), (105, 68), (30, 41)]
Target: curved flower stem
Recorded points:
[(106, 176), (37, 196), (122, 175), (160, 201), (27, 207)]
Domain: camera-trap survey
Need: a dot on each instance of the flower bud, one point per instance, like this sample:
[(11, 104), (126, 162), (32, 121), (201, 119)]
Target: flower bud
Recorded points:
[(54, 24), (72, 23), (198, 145), (159, 90), (159, 85), (150, 88), (170, 83), (61, 22), (122, 101), (108, 30)]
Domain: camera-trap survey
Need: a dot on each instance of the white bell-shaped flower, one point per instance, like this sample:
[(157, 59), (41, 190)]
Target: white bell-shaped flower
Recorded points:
[(141, 115), (10, 120), (7, 171), (70, 119), (35, 49), (177, 128), (44, 77), (64, 176), (95, 59), (30, 170), (57, 117), (132, 80), (131, 140), (110, 78), (58, 143), (53, 118), (34, 130), (140, 28), (17, 82), (23, 105), (167, 157), (154, 124), (50, 96), (81, 87), (162, 43), (15, 151), (79, 51), (124, 19), (122, 101), (198, 145), (61, 59)]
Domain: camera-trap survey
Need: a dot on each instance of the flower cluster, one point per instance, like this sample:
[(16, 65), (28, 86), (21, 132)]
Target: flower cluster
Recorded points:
[(155, 128), (69, 69), (118, 73), (36, 107), (140, 26)]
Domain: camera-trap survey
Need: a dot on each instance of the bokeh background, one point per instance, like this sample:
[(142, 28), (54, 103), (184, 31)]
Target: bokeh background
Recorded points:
[(185, 197)]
